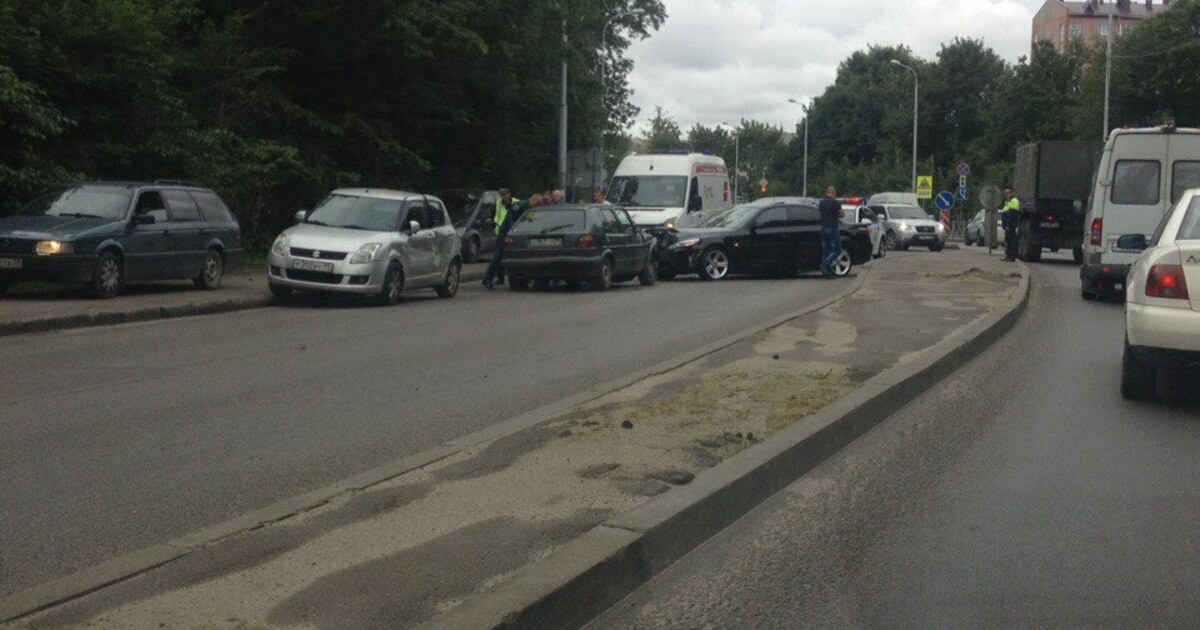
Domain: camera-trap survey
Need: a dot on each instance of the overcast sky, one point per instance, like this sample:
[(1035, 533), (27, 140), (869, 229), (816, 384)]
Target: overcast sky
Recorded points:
[(721, 60)]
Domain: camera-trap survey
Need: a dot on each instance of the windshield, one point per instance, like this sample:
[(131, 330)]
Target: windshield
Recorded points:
[(907, 212), (99, 202), (734, 216), (648, 191), (551, 222), (357, 213)]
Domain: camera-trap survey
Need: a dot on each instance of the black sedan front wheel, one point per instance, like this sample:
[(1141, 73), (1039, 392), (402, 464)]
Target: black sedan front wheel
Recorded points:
[(843, 264), (714, 264)]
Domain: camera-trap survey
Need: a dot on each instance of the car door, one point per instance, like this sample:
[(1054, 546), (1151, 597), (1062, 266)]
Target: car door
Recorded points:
[(618, 240), (145, 250), (443, 236), (636, 251), (767, 246), (187, 236), (420, 245), (485, 222), (807, 220)]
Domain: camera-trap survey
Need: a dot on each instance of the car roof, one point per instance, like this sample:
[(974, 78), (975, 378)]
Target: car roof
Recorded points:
[(771, 201), (379, 193), (136, 185)]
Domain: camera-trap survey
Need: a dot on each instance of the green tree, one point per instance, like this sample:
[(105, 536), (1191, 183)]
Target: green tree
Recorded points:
[(663, 132)]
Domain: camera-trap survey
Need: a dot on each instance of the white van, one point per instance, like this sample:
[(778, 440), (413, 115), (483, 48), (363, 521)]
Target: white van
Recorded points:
[(1142, 173), (670, 188)]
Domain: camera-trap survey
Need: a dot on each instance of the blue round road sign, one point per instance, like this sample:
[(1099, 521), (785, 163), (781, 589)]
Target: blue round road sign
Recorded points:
[(944, 201)]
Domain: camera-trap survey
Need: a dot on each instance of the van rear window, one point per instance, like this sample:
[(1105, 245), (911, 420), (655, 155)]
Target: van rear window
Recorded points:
[(1184, 175), (1137, 182)]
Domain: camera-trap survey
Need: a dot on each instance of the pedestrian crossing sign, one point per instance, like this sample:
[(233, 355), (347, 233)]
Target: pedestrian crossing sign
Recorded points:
[(925, 187)]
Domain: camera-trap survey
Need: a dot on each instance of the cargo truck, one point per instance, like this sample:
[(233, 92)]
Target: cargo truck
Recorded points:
[(1053, 182)]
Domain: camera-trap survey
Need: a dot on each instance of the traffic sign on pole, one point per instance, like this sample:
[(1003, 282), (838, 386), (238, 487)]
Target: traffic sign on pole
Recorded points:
[(964, 192), (944, 201), (925, 187), (963, 170)]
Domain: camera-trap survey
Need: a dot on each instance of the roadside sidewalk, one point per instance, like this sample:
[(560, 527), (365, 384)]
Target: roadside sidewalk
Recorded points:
[(568, 514), (36, 308)]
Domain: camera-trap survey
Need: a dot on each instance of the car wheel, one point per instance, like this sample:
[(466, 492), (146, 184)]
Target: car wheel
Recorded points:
[(843, 264), (471, 251), (602, 281), (212, 271), (1138, 381), (573, 285), (280, 291), (1077, 253), (541, 285), (1089, 296), (889, 240), (970, 240), (517, 283), (3, 286), (649, 275), (449, 287), (393, 286), (714, 264), (937, 247), (665, 274), (109, 277)]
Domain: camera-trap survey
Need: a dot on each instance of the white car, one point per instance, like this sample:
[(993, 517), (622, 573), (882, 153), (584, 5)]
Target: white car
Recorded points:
[(975, 234), (863, 215), (1162, 305)]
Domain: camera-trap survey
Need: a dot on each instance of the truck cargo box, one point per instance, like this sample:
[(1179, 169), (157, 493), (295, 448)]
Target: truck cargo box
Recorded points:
[(1056, 169)]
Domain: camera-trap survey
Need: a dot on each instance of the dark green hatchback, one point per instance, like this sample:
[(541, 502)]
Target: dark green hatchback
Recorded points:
[(108, 234)]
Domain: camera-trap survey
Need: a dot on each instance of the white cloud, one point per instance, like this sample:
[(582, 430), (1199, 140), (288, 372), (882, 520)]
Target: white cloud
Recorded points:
[(721, 60)]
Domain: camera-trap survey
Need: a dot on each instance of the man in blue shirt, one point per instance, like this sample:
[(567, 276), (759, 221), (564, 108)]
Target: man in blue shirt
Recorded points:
[(831, 238)]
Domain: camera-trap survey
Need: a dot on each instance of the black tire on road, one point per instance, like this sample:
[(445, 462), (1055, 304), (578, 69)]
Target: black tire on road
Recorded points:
[(970, 240), (602, 281), (212, 272), (3, 286), (471, 251), (937, 247), (109, 277), (449, 286), (517, 283), (649, 275), (714, 264), (843, 265), (280, 291), (1089, 296), (1029, 247), (1078, 254), (541, 285), (890, 241), (1138, 381), (393, 286)]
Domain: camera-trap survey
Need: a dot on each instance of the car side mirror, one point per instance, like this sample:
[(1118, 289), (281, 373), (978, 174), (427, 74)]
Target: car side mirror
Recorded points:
[(301, 215), (145, 219), (1133, 243), (414, 227)]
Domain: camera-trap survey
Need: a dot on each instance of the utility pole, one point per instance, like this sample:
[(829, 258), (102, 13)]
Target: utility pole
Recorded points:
[(562, 127), (737, 150), (793, 101), (1108, 71), (916, 100)]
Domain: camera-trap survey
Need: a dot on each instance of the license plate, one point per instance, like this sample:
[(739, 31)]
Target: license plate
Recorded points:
[(11, 263), (312, 265), (545, 242), (1049, 226)]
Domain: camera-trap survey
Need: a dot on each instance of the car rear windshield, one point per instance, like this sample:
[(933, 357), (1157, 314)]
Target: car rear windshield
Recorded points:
[(357, 213), (1190, 230), (551, 222), (97, 202)]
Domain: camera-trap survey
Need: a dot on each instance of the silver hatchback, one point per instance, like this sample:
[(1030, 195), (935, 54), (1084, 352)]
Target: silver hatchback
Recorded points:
[(368, 242)]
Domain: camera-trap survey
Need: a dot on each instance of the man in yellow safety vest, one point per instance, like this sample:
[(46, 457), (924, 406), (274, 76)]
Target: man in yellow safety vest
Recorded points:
[(1010, 219)]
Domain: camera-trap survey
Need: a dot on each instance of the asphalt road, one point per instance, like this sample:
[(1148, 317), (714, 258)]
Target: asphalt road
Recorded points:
[(1022, 492), (115, 439)]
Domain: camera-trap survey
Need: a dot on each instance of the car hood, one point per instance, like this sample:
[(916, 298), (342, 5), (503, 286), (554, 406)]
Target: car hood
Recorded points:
[(652, 216), (47, 226), (915, 222), (712, 232), (308, 236)]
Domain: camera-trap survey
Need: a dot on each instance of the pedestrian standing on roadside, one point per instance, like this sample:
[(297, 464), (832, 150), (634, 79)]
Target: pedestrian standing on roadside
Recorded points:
[(831, 238), (504, 205), (519, 208), (1010, 220)]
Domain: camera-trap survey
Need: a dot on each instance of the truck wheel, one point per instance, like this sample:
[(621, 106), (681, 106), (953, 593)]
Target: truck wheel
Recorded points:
[(1078, 254), (1030, 248), (1138, 381)]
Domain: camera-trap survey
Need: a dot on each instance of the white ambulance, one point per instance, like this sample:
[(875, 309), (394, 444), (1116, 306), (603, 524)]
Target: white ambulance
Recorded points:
[(1142, 173), (670, 188)]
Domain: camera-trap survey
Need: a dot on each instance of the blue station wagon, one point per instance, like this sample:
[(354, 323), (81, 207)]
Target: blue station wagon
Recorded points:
[(107, 234)]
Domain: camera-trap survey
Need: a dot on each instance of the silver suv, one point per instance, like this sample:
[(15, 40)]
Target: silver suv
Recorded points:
[(368, 242), (905, 226)]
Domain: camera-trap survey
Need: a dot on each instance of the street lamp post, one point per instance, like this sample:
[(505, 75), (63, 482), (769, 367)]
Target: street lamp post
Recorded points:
[(737, 150), (1108, 71), (916, 96), (795, 102), (604, 77)]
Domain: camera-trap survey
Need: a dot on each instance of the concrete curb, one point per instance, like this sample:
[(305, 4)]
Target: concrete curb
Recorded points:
[(590, 574), (116, 570), (153, 313)]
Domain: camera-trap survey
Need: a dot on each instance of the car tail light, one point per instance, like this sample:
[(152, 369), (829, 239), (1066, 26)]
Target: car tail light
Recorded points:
[(1097, 232), (1167, 281), (587, 240), (509, 243)]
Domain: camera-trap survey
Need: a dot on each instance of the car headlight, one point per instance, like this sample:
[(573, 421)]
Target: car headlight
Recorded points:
[(687, 243), (670, 225), (50, 248), (365, 254), (903, 226), (941, 227), (280, 245)]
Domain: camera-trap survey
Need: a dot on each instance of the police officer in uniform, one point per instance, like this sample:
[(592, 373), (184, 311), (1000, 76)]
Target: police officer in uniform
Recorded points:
[(1010, 219)]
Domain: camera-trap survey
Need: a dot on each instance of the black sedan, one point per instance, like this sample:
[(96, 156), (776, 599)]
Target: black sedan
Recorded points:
[(108, 234), (778, 236), (597, 244)]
